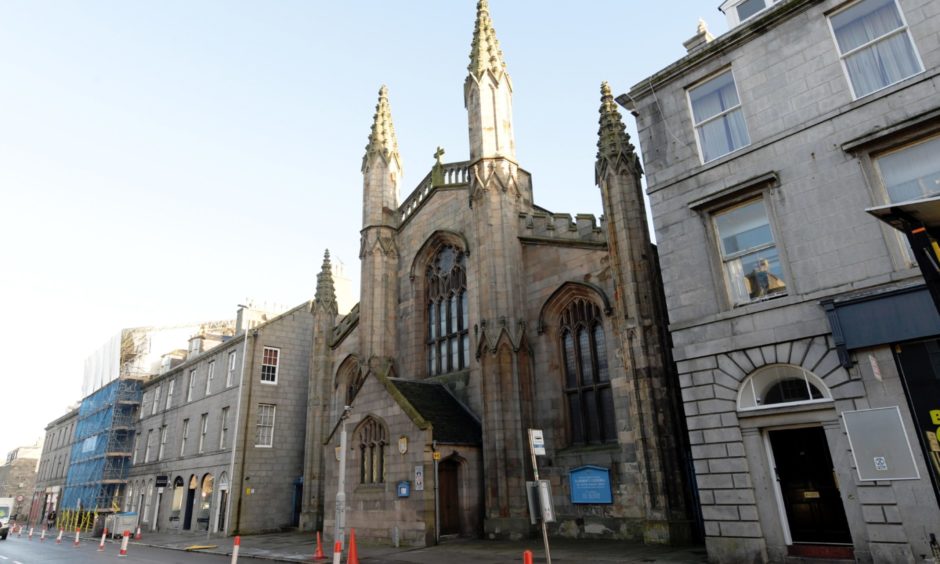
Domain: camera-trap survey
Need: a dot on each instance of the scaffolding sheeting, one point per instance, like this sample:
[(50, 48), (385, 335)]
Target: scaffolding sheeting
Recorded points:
[(101, 455)]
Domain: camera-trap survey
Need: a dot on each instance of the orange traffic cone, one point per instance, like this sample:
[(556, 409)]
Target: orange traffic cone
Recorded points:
[(318, 555), (353, 556), (138, 536)]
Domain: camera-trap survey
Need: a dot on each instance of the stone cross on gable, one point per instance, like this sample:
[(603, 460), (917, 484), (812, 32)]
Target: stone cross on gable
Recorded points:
[(437, 171), (438, 154)]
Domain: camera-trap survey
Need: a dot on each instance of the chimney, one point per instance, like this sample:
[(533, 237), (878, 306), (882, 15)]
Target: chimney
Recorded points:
[(701, 38)]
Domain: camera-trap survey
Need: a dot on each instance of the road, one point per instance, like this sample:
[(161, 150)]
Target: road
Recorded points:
[(22, 551)]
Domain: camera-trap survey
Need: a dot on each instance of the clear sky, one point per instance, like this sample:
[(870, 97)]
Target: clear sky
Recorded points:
[(160, 162)]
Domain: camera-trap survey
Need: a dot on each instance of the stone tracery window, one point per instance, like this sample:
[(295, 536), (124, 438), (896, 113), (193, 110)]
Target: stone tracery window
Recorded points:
[(448, 312), (587, 378), (373, 438)]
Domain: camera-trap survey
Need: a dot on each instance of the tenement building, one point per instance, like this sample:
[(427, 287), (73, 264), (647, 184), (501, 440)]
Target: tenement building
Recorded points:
[(53, 466), (805, 339), (220, 436), (482, 315)]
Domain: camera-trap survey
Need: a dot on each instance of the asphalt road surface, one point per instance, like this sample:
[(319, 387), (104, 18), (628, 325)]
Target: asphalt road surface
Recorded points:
[(22, 551)]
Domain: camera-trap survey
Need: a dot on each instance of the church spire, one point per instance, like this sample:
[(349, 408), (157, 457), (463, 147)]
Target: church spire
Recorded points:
[(488, 93), (485, 53), (613, 143), (325, 297), (382, 139)]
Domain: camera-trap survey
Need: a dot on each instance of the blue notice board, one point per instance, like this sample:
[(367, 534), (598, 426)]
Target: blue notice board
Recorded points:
[(590, 484)]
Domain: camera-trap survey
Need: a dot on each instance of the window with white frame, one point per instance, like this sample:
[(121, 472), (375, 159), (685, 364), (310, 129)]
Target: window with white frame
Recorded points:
[(136, 448), (911, 172), (719, 121), (749, 255), (192, 385), (230, 374), (162, 449), (780, 384), (739, 11), (210, 374), (169, 393), (147, 449), (269, 362), (223, 428), (265, 425), (874, 44), (203, 430), (156, 400), (184, 435)]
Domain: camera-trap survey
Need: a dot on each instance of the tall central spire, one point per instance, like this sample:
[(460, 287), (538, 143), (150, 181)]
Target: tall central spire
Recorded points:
[(485, 53), (382, 139), (488, 93)]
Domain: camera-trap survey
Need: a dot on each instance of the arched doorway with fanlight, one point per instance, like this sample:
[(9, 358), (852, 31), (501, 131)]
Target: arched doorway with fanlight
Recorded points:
[(792, 410)]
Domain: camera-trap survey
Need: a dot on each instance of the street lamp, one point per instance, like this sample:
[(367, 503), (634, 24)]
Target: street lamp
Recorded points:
[(339, 532)]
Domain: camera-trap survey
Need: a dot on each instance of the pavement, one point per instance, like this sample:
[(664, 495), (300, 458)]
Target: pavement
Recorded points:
[(300, 547)]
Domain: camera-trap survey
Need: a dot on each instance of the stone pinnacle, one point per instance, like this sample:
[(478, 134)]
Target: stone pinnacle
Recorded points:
[(612, 138), (485, 53), (382, 139), (325, 291)]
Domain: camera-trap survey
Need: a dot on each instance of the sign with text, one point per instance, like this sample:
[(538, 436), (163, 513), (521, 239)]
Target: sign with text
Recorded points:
[(537, 442), (591, 485)]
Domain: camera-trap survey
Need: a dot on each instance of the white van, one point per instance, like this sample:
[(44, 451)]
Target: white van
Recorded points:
[(6, 509)]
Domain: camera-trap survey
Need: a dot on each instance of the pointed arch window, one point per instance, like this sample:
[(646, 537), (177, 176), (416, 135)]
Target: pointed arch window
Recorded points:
[(448, 312), (587, 377), (373, 440)]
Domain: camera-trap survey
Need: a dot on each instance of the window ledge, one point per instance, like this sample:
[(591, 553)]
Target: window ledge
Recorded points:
[(587, 449)]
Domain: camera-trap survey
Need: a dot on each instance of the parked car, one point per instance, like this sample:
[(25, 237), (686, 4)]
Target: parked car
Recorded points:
[(6, 509)]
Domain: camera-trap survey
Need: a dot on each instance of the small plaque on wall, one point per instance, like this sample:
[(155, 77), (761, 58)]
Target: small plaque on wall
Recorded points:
[(590, 485)]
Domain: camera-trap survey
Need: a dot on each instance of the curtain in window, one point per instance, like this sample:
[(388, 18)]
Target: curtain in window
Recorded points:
[(879, 64), (723, 134)]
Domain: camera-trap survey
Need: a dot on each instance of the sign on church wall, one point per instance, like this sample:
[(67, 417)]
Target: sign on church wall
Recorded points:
[(590, 485)]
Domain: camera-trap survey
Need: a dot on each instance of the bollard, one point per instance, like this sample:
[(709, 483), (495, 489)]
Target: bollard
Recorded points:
[(58, 539), (42, 535), (527, 557), (337, 552), (76, 537), (30, 535), (104, 534), (238, 541), (127, 535)]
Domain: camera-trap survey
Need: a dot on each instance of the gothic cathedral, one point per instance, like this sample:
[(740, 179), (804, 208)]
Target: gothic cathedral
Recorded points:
[(482, 315)]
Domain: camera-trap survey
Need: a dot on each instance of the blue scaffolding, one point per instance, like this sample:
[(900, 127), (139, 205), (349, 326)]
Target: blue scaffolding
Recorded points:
[(101, 454)]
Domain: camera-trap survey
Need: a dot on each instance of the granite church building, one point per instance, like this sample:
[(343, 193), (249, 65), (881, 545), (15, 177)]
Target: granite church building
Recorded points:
[(482, 314)]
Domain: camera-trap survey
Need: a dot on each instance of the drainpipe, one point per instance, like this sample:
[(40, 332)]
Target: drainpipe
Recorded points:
[(241, 476)]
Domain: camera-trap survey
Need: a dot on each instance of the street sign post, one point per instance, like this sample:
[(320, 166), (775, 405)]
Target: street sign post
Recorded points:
[(537, 448)]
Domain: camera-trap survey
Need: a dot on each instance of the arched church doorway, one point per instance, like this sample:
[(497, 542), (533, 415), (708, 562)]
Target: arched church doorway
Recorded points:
[(449, 491)]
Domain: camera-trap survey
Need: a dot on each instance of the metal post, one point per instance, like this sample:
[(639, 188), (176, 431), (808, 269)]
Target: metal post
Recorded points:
[(437, 498), (535, 473), (339, 533)]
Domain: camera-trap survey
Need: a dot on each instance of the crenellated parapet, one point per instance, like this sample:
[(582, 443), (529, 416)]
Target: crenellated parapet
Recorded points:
[(584, 228)]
